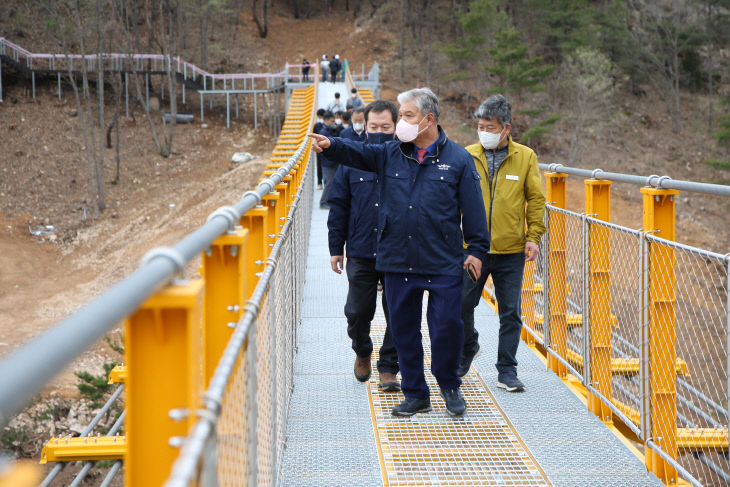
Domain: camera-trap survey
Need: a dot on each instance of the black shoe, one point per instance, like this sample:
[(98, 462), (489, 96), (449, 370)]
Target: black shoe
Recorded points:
[(455, 404), (465, 362), (411, 406), (509, 381)]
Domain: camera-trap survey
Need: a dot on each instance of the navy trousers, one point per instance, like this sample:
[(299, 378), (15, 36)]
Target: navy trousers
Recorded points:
[(404, 293), (362, 297), (506, 271)]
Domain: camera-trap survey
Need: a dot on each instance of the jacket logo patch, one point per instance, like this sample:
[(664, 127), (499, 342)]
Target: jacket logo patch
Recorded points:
[(443, 167), (512, 177)]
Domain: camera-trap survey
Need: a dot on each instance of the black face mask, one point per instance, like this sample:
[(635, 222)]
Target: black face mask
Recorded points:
[(378, 137)]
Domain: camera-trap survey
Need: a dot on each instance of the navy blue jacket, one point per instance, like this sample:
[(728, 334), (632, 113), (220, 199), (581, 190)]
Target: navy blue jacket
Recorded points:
[(423, 206), (353, 216)]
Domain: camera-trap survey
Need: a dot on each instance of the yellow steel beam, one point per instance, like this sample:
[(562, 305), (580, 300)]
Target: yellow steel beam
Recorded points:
[(22, 473), (118, 374), (694, 439), (575, 320), (84, 448), (625, 366), (557, 300)]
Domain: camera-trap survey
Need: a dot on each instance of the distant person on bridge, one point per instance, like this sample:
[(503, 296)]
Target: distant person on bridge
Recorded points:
[(324, 65), (336, 105), (335, 67), (354, 101), (305, 69), (353, 223), (429, 191), (317, 127), (328, 129), (510, 179)]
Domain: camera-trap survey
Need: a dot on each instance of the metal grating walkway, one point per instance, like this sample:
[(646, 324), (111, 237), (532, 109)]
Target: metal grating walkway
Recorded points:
[(340, 431)]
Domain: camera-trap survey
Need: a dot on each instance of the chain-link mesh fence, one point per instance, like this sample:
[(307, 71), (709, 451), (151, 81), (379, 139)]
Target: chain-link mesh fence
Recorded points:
[(248, 437), (688, 321), (646, 321)]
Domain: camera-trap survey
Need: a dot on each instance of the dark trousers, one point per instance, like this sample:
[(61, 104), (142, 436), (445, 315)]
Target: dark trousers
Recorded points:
[(328, 174), (319, 168), (334, 76), (506, 271), (404, 293), (362, 296)]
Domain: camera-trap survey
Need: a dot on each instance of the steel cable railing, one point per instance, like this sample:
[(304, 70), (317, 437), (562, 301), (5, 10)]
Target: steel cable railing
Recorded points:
[(237, 417), (664, 303)]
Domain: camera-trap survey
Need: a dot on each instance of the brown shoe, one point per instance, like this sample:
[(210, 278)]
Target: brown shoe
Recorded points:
[(389, 382), (362, 368)]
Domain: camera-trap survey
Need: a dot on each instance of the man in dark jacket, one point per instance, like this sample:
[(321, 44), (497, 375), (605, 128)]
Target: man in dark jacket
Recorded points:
[(317, 127), (429, 191), (353, 221), (327, 129), (335, 67)]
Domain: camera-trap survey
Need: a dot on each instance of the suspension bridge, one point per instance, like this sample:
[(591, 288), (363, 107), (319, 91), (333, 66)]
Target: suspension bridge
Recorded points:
[(243, 375)]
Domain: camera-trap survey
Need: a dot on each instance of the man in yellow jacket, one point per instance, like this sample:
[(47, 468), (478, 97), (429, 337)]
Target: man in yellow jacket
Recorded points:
[(515, 204)]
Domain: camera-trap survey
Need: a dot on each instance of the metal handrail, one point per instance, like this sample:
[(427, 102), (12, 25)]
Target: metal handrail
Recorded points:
[(659, 182), (24, 373)]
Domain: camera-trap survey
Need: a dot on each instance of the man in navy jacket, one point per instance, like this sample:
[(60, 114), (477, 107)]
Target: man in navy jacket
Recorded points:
[(429, 191), (353, 221)]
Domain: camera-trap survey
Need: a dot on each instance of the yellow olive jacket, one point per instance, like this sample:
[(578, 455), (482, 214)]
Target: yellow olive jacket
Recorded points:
[(516, 183)]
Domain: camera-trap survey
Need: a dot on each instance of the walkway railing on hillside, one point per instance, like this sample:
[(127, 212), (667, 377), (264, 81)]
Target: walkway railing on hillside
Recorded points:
[(640, 320), (183, 337)]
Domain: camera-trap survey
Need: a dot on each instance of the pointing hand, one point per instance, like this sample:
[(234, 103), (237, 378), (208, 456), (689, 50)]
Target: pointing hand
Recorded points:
[(319, 142)]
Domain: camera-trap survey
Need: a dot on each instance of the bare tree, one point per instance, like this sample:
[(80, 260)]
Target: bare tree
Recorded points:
[(661, 30), (587, 79), (263, 28)]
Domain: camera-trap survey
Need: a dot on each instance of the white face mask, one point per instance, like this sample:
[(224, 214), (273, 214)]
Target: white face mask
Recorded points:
[(320, 120), (338, 121), (407, 132), (490, 140), (357, 127)]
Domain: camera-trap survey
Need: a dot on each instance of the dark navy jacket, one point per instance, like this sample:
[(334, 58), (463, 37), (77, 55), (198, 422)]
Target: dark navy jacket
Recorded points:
[(353, 215), (423, 206), (326, 162)]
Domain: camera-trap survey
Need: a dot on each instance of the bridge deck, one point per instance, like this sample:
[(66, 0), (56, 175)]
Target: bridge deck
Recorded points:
[(340, 431)]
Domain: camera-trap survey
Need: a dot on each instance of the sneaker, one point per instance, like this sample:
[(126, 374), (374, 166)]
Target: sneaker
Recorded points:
[(389, 382), (465, 362), (455, 404), (411, 406), (319, 185), (362, 368), (509, 382)]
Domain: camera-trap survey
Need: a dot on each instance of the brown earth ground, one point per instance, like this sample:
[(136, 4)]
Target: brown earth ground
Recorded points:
[(43, 178)]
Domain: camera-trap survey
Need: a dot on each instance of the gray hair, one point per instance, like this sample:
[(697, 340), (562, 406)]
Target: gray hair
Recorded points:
[(424, 99), (496, 106)]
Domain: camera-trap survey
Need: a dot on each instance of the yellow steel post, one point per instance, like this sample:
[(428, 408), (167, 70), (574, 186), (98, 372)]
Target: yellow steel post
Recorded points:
[(275, 219), (256, 249), (163, 352), (528, 300), (224, 271), (659, 218), (598, 205), (528, 303), (556, 195)]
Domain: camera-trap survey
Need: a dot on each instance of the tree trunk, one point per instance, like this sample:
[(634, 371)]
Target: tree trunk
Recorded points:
[(204, 6), (402, 40), (100, 92), (263, 29)]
